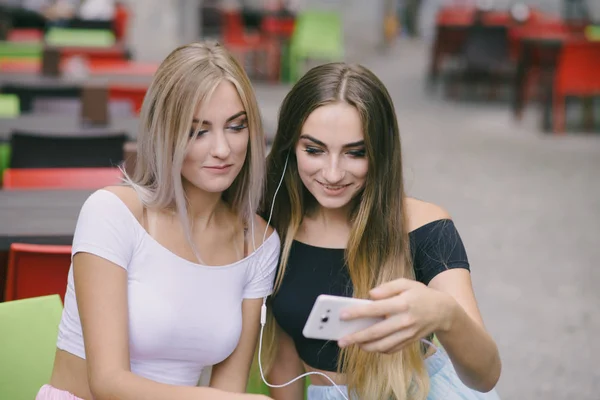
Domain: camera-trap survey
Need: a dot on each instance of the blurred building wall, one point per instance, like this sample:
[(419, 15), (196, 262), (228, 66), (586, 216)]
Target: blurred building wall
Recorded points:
[(154, 31)]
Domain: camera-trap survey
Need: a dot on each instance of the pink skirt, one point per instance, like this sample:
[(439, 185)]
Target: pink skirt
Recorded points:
[(48, 392)]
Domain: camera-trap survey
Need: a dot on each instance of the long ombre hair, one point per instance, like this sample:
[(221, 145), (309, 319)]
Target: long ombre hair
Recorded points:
[(378, 247), (184, 80)]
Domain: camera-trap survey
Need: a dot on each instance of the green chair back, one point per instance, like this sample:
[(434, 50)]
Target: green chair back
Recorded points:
[(4, 158), (20, 49), (9, 106), (80, 37), (28, 332), (319, 35), (592, 32)]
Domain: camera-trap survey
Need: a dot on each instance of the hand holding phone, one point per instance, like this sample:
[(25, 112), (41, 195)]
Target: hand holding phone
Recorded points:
[(324, 321)]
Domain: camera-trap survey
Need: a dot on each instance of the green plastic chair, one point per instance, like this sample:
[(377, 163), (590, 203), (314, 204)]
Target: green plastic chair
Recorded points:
[(20, 49), (4, 158), (592, 33), (80, 37), (9, 106), (28, 332), (319, 35)]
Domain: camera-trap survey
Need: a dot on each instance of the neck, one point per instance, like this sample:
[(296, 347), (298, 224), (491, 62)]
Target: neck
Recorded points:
[(333, 217), (202, 206)]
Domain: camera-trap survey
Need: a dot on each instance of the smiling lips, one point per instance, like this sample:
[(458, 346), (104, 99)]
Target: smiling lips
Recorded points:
[(333, 189)]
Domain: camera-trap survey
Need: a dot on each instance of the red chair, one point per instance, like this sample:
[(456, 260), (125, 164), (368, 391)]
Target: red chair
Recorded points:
[(25, 35), (250, 49), (535, 28), (37, 270), (60, 178), (455, 16), (20, 65), (278, 30), (134, 94), (576, 75), (121, 21), (497, 18), (121, 67), (117, 52)]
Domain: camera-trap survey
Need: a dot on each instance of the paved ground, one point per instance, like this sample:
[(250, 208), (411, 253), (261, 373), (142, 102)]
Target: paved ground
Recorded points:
[(528, 208)]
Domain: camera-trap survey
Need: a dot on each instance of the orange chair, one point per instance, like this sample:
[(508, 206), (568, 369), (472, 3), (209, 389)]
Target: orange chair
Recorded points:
[(37, 270), (134, 94), (576, 75), (60, 178)]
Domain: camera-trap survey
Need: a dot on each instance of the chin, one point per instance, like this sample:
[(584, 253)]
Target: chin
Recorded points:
[(333, 203), (214, 186)]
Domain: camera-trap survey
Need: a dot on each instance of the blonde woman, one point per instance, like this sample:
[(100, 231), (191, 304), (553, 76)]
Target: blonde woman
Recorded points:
[(169, 269), (348, 229)]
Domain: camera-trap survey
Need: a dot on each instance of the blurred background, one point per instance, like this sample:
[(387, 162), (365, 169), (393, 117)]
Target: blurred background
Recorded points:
[(499, 110)]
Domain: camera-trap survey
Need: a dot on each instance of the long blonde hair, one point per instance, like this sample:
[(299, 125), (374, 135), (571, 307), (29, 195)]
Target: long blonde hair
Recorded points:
[(378, 247), (185, 79)]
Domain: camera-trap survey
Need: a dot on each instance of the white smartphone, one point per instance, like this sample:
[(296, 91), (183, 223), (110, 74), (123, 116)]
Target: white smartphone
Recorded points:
[(324, 320)]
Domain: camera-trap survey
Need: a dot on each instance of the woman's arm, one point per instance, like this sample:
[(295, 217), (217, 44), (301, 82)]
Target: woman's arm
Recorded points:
[(446, 307), (101, 288), (472, 350), (232, 373), (286, 366)]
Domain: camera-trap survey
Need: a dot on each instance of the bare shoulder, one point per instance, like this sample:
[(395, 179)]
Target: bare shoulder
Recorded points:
[(260, 227), (421, 213), (129, 197)]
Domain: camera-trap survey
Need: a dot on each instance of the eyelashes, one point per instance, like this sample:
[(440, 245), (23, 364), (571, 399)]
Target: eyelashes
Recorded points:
[(316, 151), (238, 127)]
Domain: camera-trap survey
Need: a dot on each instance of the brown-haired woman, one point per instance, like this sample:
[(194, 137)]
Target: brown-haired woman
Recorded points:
[(348, 229)]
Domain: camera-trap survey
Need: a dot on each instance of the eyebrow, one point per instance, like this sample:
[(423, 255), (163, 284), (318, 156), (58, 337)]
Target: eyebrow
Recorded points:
[(234, 116), (346, 146)]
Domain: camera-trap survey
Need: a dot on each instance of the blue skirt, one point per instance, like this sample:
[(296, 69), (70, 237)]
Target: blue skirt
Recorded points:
[(444, 384)]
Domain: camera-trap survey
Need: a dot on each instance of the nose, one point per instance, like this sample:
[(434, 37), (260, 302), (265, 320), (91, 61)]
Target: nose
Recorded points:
[(220, 146), (333, 173)]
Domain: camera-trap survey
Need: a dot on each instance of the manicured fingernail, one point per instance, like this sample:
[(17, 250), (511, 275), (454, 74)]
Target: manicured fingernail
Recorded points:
[(344, 315), (342, 343)]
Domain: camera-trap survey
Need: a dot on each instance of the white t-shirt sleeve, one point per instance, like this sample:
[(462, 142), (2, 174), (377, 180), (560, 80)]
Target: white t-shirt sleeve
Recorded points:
[(263, 269), (106, 228)]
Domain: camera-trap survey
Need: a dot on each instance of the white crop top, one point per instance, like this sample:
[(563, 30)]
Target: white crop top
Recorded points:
[(182, 316)]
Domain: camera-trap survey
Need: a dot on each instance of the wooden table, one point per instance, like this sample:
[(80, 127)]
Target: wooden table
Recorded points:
[(452, 25), (40, 81), (31, 86), (39, 216), (65, 125)]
